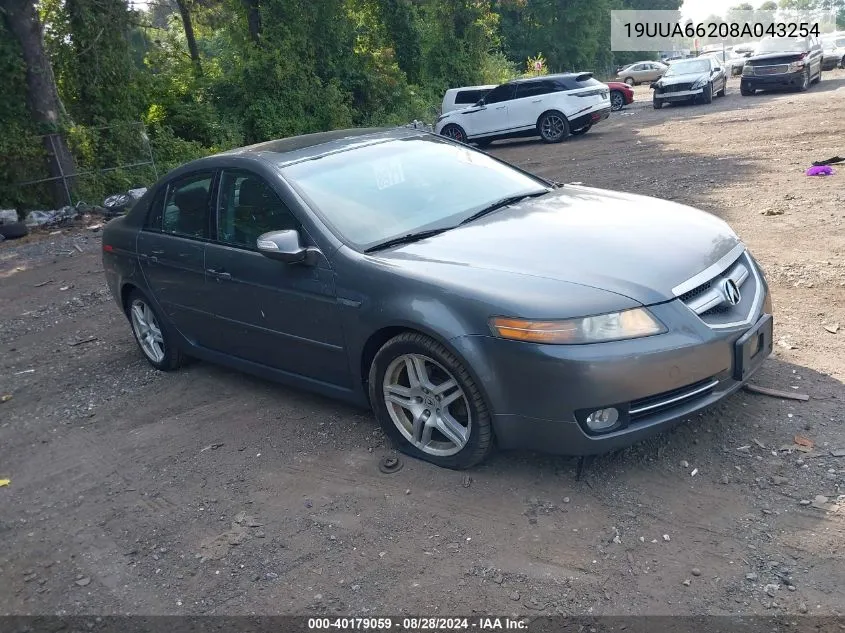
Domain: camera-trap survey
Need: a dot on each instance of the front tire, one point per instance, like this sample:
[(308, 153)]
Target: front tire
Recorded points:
[(724, 90), (629, 81), (805, 81), (707, 94), (617, 100), (428, 404), (553, 127), (454, 132), (155, 341), (745, 90), (657, 103)]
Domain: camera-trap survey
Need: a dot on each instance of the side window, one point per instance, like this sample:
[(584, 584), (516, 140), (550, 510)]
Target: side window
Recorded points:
[(154, 213), (638, 67), (186, 206), (500, 93), (248, 208), (469, 96), (534, 89)]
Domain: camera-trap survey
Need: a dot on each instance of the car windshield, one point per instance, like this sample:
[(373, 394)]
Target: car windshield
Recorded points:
[(782, 45), (688, 67), (376, 193)]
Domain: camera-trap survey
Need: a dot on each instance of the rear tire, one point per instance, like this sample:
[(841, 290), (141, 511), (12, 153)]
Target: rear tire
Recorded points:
[(428, 404), (153, 337), (724, 90), (629, 81), (617, 100), (805, 81), (553, 127)]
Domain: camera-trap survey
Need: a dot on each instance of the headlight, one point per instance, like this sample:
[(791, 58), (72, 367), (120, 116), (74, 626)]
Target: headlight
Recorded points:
[(794, 67), (700, 83), (615, 326), (747, 70)]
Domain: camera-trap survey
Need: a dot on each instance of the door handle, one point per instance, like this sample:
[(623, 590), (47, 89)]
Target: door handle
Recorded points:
[(536, 100), (220, 274), (501, 107), (154, 259)]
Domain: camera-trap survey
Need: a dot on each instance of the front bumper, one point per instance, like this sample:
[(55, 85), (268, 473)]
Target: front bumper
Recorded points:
[(683, 95), (767, 82), (540, 394)]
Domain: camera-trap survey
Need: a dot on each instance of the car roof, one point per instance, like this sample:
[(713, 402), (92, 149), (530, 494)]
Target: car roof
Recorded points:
[(294, 149), (527, 80), (482, 87)]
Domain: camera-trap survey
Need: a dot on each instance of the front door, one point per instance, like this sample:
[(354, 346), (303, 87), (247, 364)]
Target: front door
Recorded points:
[(492, 117), (171, 251), (280, 315), (530, 102)]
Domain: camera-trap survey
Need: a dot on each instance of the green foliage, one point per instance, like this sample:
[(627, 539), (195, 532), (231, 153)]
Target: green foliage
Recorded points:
[(304, 66)]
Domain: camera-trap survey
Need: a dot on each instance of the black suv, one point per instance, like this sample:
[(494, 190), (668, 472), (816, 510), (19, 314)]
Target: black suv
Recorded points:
[(782, 62)]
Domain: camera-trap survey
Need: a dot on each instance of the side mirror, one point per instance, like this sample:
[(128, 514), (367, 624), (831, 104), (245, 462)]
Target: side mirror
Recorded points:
[(285, 246)]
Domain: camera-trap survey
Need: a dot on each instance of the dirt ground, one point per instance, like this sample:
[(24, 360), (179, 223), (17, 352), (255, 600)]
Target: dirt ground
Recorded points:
[(211, 492)]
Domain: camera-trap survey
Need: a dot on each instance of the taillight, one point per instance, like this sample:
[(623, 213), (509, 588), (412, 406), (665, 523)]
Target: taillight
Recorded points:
[(108, 248)]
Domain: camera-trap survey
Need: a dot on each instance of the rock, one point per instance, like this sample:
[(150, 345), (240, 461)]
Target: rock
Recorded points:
[(617, 540), (779, 481), (804, 502), (838, 452), (467, 482), (515, 596), (309, 503), (408, 491), (791, 587), (751, 576), (499, 579), (666, 538), (833, 329), (83, 582), (686, 582), (771, 590), (725, 479), (820, 501), (695, 571), (802, 608), (684, 464), (566, 499)]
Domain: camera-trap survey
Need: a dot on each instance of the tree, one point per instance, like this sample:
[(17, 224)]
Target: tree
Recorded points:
[(42, 97), (187, 24), (769, 5)]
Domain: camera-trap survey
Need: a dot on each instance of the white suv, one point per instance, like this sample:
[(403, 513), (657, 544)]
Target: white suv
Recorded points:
[(551, 107)]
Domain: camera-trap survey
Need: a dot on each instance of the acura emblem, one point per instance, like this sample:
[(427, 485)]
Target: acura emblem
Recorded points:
[(731, 292)]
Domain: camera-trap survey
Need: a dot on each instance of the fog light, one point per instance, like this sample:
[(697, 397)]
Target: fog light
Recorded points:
[(602, 419)]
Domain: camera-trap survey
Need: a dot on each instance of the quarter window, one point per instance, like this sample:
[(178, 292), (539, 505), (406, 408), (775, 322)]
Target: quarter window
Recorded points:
[(248, 208), (186, 206)]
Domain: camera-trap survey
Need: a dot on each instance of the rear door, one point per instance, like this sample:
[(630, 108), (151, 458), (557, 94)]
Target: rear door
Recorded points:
[(529, 102), (171, 250), (279, 315)]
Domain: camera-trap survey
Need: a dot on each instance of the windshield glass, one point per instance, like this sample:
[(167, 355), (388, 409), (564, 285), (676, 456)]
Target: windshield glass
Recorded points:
[(688, 67), (782, 45), (376, 193)]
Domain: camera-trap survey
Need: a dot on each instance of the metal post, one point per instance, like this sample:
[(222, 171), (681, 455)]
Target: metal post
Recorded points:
[(58, 160), (146, 138)]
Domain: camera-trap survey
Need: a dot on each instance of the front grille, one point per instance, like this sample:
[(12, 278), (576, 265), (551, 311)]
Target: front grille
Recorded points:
[(711, 299), (676, 88), (670, 399), (777, 69)]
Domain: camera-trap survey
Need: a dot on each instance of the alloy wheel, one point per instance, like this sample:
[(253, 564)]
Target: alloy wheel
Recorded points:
[(427, 405), (454, 132), (147, 330), (553, 127), (616, 101)]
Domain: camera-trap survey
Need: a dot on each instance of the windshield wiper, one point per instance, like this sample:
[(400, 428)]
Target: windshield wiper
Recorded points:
[(500, 204), (407, 239)]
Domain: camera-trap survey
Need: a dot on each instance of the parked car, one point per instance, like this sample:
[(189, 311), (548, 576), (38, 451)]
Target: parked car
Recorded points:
[(457, 98), (621, 95), (730, 61), (551, 107), (746, 50), (691, 80), (465, 300), (642, 72), (782, 62), (833, 51)]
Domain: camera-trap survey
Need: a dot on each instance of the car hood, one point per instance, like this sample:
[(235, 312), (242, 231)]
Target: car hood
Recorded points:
[(631, 245), (681, 79), (783, 57)]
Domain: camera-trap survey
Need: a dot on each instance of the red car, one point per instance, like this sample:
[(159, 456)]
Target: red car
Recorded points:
[(621, 95)]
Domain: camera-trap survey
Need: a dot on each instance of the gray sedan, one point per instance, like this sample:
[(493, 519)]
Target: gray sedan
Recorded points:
[(465, 301)]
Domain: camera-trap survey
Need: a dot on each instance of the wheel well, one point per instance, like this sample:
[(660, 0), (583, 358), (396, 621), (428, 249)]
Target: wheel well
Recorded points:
[(125, 291), (373, 345)]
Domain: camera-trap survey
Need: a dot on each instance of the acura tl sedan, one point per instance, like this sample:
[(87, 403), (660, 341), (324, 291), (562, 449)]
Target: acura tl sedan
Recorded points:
[(467, 302)]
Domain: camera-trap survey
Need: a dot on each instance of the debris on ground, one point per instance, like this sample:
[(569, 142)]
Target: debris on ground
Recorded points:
[(820, 170), (777, 393), (51, 218), (837, 452), (804, 442), (390, 464), (5, 482), (90, 339), (833, 329), (467, 482), (5, 398)]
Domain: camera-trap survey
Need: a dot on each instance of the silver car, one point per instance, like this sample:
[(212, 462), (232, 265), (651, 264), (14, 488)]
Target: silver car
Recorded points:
[(642, 72)]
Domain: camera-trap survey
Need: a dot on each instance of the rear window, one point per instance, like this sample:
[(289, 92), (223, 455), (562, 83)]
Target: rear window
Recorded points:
[(576, 81), (469, 96)]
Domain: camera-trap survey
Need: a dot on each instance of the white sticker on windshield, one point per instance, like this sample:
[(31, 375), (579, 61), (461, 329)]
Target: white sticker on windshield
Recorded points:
[(388, 173)]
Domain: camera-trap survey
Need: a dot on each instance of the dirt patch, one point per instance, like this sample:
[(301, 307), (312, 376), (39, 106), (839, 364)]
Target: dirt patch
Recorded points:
[(207, 491)]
